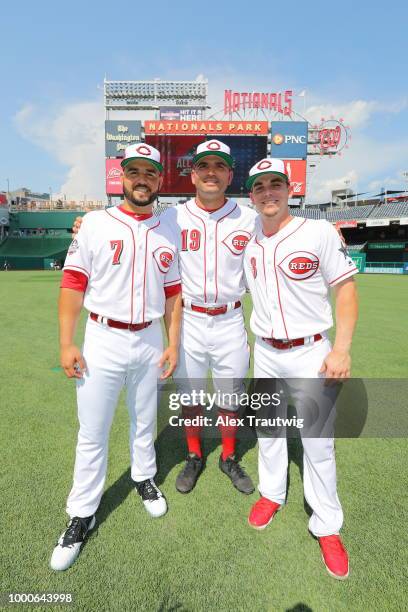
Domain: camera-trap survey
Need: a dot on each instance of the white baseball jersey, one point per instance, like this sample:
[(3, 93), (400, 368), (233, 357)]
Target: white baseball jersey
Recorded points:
[(211, 247), (128, 264), (289, 275)]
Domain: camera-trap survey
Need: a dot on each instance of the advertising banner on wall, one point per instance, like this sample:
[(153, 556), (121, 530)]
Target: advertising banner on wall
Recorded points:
[(119, 135), (289, 139), (113, 175), (181, 114), (296, 171), (377, 222)]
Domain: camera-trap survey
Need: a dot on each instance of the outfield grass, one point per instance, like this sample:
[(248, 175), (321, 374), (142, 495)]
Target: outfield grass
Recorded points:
[(202, 555)]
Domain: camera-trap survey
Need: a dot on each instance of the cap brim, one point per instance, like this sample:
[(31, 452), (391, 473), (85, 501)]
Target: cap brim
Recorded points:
[(250, 181), (224, 156), (156, 164)]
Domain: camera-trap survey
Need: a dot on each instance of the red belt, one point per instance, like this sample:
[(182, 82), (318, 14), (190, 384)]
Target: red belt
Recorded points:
[(118, 324), (286, 344), (213, 310)]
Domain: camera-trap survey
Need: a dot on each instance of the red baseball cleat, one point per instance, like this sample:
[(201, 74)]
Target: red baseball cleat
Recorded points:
[(334, 556), (262, 513)]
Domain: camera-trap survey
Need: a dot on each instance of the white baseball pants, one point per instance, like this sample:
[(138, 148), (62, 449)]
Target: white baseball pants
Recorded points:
[(319, 465), (217, 343), (114, 358)]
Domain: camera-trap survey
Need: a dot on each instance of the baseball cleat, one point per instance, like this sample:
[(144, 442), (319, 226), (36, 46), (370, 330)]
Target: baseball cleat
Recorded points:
[(188, 476), (153, 499), (70, 542), (262, 513), (236, 474), (334, 556)]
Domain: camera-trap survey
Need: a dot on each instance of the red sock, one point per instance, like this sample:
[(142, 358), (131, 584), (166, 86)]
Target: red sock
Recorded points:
[(193, 432), (228, 432)]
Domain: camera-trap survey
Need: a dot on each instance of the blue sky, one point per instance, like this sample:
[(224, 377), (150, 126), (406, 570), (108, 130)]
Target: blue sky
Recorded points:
[(349, 56)]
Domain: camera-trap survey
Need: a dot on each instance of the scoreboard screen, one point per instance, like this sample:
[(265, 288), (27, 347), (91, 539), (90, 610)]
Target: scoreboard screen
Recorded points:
[(246, 151), (177, 153)]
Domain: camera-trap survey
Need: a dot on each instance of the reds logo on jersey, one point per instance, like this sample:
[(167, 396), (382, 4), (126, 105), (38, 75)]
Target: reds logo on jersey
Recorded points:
[(299, 265), (164, 257), (237, 241)]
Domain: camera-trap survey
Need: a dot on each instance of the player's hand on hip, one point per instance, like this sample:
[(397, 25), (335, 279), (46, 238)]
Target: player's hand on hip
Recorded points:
[(170, 356), (336, 366), (77, 225), (72, 361)]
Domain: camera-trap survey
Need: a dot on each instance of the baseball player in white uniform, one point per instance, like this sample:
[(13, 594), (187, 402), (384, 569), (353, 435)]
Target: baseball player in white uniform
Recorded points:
[(123, 267), (290, 265), (213, 231)]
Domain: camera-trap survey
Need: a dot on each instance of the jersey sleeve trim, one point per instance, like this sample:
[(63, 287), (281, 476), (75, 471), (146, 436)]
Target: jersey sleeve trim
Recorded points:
[(72, 279), (343, 276), (176, 281), (77, 268), (172, 290)]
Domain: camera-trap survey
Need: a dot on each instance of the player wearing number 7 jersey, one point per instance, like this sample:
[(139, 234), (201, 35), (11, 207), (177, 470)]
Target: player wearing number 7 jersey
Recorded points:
[(211, 232), (123, 267)]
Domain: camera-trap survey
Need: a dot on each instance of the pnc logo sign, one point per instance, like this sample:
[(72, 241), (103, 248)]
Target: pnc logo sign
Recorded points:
[(279, 139), (300, 265)]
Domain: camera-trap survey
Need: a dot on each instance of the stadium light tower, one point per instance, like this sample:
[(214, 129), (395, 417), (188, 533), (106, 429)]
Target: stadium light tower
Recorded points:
[(405, 175), (347, 183)]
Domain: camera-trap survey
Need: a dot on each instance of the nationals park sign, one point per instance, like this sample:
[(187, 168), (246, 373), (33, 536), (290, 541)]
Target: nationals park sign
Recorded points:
[(240, 128)]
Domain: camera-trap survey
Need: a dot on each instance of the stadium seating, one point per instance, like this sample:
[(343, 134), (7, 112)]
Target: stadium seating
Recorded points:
[(356, 212), (307, 213), (395, 209)]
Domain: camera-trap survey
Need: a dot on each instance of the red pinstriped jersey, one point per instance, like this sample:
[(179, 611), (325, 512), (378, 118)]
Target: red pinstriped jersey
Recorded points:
[(211, 247), (128, 263), (289, 276)]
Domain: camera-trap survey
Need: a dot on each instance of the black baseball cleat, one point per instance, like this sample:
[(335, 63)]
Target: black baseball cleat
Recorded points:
[(153, 499), (188, 476), (70, 542), (236, 474)]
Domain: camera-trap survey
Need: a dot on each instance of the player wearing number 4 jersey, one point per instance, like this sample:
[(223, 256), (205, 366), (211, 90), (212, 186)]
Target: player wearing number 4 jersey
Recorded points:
[(212, 232), (123, 267), (290, 265)]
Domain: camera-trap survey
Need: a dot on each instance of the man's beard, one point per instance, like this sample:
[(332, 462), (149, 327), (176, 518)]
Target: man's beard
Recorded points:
[(128, 193)]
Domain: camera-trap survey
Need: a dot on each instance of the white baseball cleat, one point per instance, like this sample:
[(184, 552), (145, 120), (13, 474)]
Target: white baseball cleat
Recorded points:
[(153, 499), (70, 542)]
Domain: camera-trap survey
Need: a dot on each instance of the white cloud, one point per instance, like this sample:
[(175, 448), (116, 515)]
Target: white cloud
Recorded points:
[(75, 136), (368, 164)]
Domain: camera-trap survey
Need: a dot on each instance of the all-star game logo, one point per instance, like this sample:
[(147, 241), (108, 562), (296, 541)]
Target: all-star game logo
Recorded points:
[(164, 257), (73, 247), (185, 162), (300, 265), (237, 241)]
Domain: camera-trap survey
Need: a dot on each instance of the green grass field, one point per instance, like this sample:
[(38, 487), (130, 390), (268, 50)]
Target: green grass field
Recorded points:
[(202, 555)]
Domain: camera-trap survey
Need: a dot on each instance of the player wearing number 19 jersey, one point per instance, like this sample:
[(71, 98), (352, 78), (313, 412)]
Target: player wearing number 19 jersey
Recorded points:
[(212, 233)]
